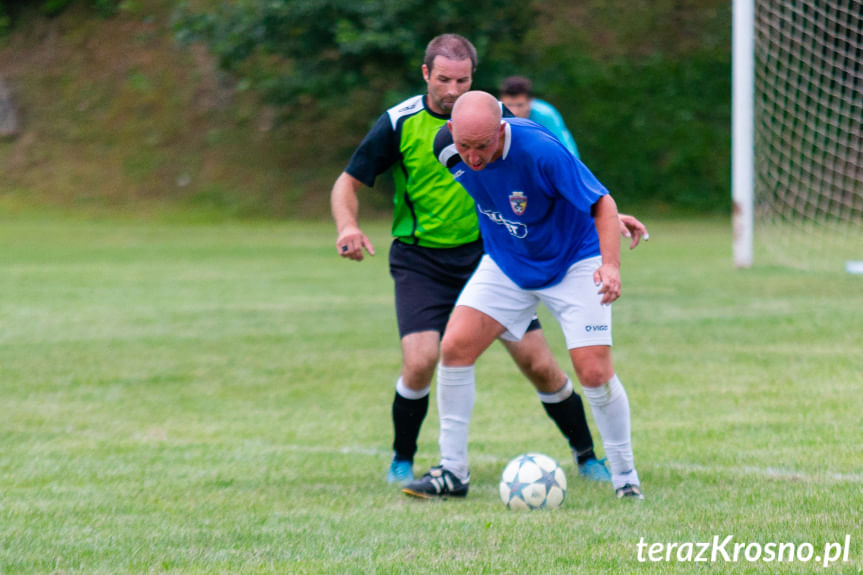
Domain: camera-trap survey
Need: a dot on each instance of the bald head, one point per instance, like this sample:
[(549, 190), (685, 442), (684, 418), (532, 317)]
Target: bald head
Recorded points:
[(476, 108), (477, 129)]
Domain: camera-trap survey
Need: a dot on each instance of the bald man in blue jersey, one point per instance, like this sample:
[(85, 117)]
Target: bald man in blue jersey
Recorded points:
[(550, 230)]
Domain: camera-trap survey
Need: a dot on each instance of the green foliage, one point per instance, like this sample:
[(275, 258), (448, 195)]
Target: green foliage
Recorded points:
[(324, 49), (644, 87), (654, 131), (105, 8), (5, 21), (50, 8), (53, 7)]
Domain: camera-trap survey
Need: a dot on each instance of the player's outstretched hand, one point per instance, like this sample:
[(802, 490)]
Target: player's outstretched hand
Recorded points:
[(351, 242), (630, 227), (608, 278)]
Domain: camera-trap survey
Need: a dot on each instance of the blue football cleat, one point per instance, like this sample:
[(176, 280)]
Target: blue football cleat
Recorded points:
[(401, 471), (594, 470)]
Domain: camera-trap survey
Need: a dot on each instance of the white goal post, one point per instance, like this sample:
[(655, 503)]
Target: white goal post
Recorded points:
[(797, 133)]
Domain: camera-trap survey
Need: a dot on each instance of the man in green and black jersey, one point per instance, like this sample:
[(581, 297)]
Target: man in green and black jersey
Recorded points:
[(435, 250)]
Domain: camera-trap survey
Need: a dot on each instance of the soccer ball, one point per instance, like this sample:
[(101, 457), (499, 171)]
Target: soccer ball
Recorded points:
[(532, 481)]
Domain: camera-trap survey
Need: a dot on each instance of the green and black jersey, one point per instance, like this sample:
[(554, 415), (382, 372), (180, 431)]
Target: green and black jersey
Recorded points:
[(430, 208)]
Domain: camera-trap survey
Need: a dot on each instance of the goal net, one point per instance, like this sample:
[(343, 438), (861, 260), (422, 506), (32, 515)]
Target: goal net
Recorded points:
[(808, 133)]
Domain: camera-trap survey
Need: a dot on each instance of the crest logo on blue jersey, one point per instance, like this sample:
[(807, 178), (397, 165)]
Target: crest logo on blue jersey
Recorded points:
[(518, 202)]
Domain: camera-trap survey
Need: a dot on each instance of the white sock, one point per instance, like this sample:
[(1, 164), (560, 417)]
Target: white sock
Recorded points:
[(409, 393), (610, 408), (557, 396), (456, 388)]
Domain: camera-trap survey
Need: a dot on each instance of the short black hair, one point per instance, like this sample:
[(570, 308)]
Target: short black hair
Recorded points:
[(516, 86)]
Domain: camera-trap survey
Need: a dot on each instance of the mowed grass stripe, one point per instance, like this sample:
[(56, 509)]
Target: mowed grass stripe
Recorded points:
[(215, 399)]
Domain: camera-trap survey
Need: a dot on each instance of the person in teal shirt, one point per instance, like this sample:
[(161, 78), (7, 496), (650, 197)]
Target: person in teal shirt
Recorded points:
[(516, 93)]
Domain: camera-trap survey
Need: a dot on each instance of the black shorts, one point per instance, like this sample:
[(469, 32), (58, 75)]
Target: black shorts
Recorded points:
[(428, 282)]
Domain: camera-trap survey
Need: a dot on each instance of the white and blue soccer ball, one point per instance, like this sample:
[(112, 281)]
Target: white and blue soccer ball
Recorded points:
[(532, 481)]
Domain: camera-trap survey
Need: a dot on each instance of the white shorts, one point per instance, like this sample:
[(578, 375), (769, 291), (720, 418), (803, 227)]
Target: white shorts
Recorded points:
[(574, 302)]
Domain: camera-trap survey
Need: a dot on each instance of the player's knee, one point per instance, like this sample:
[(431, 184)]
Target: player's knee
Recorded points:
[(449, 351), (541, 369), (593, 374), (418, 367), (455, 352)]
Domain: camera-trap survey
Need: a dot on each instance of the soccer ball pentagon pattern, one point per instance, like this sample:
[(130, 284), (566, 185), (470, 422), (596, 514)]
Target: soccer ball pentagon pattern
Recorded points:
[(532, 481)]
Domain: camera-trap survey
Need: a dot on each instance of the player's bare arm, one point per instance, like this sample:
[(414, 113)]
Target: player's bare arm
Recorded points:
[(608, 229), (631, 227), (345, 204)]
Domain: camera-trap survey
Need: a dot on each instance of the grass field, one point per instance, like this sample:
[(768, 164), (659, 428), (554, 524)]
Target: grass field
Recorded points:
[(215, 399)]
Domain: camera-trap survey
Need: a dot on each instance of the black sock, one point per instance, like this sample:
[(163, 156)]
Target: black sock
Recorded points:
[(408, 415), (572, 422)]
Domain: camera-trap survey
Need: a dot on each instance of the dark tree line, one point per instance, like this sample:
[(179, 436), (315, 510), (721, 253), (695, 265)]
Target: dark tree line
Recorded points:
[(9, 9), (292, 50), (644, 86)]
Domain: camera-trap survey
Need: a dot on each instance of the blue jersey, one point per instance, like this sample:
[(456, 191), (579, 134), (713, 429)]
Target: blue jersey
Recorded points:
[(534, 203)]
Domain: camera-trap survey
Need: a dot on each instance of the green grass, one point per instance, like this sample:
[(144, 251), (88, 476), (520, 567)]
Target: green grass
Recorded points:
[(215, 399)]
